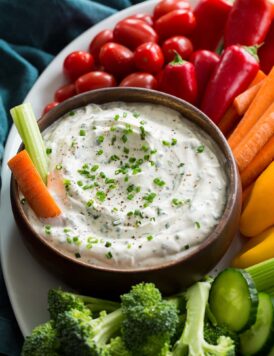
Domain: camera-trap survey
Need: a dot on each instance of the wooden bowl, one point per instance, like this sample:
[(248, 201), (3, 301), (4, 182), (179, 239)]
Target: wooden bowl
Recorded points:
[(171, 276)]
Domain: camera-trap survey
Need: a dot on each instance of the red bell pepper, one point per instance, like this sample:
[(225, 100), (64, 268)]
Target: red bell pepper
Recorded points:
[(211, 16), (204, 62), (266, 52), (179, 79), (248, 22), (236, 70)]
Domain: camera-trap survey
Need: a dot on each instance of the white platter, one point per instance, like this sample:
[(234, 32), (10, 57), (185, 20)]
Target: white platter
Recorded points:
[(27, 282)]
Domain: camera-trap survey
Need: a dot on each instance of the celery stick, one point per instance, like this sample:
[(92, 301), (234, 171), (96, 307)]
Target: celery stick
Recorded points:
[(26, 124), (263, 275)]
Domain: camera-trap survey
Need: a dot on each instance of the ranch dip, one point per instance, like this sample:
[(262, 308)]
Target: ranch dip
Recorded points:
[(138, 185)]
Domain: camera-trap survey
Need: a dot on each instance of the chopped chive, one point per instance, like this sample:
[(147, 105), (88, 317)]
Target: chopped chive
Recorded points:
[(126, 150), (149, 197), (152, 152), (136, 114), (113, 128), (130, 196), (69, 240), (94, 168), (102, 175), (80, 183), (176, 202), (114, 158), (116, 117), (66, 230), (143, 132), (100, 195), (90, 203), (159, 182), (113, 139), (173, 142), (58, 167), (166, 143), (108, 255), (200, 149), (124, 138), (108, 244), (67, 183), (144, 148), (136, 170), (100, 139), (71, 113), (149, 238), (48, 151), (197, 224), (99, 152), (82, 132)]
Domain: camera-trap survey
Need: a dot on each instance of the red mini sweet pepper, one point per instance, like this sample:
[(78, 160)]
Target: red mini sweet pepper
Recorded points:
[(248, 22), (204, 62), (266, 52), (236, 70), (211, 16), (179, 79)]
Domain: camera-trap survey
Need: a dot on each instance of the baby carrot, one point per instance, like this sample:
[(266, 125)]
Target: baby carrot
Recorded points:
[(255, 139), (32, 186), (259, 77), (258, 164), (259, 105), (228, 120), (242, 102)]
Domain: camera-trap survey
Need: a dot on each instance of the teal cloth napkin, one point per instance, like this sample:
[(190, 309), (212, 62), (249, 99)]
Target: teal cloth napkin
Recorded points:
[(32, 32)]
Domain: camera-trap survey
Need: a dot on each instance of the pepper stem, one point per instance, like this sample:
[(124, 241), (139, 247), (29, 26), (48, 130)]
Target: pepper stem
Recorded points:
[(253, 50), (178, 60)]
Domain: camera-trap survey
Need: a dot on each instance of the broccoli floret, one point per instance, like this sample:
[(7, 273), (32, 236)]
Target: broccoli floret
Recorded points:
[(60, 301), (116, 347), (149, 321), (192, 341), (81, 335), (42, 341), (213, 332)]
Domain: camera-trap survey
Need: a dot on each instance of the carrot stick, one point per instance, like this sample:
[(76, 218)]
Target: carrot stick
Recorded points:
[(261, 102), (32, 186), (259, 77), (256, 138), (228, 120), (258, 164), (242, 102)]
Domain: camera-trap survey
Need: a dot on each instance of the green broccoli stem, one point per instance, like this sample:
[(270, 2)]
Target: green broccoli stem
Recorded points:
[(197, 297), (263, 275), (97, 304), (109, 326)]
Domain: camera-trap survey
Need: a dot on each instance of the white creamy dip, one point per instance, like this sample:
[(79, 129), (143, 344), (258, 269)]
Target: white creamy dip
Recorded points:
[(139, 185)]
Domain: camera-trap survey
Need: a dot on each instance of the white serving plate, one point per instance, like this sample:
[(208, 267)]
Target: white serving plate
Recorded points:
[(28, 282)]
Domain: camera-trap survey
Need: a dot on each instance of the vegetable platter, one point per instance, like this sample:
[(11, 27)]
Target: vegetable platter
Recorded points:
[(203, 57)]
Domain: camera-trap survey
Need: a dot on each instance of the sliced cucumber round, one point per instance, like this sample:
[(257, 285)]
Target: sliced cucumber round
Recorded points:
[(259, 339), (233, 299)]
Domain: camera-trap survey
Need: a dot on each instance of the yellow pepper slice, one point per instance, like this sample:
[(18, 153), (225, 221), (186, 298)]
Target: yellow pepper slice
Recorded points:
[(258, 214), (259, 249)]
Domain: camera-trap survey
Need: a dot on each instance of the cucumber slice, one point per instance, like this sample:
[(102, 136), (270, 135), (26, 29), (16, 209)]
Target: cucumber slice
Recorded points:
[(259, 339), (233, 299)]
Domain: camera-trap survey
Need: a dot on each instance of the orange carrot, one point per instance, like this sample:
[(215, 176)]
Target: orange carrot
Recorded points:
[(259, 105), (256, 138), (242, 102), (258, 164), (228, 120), (32, 186), (259, 77)]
